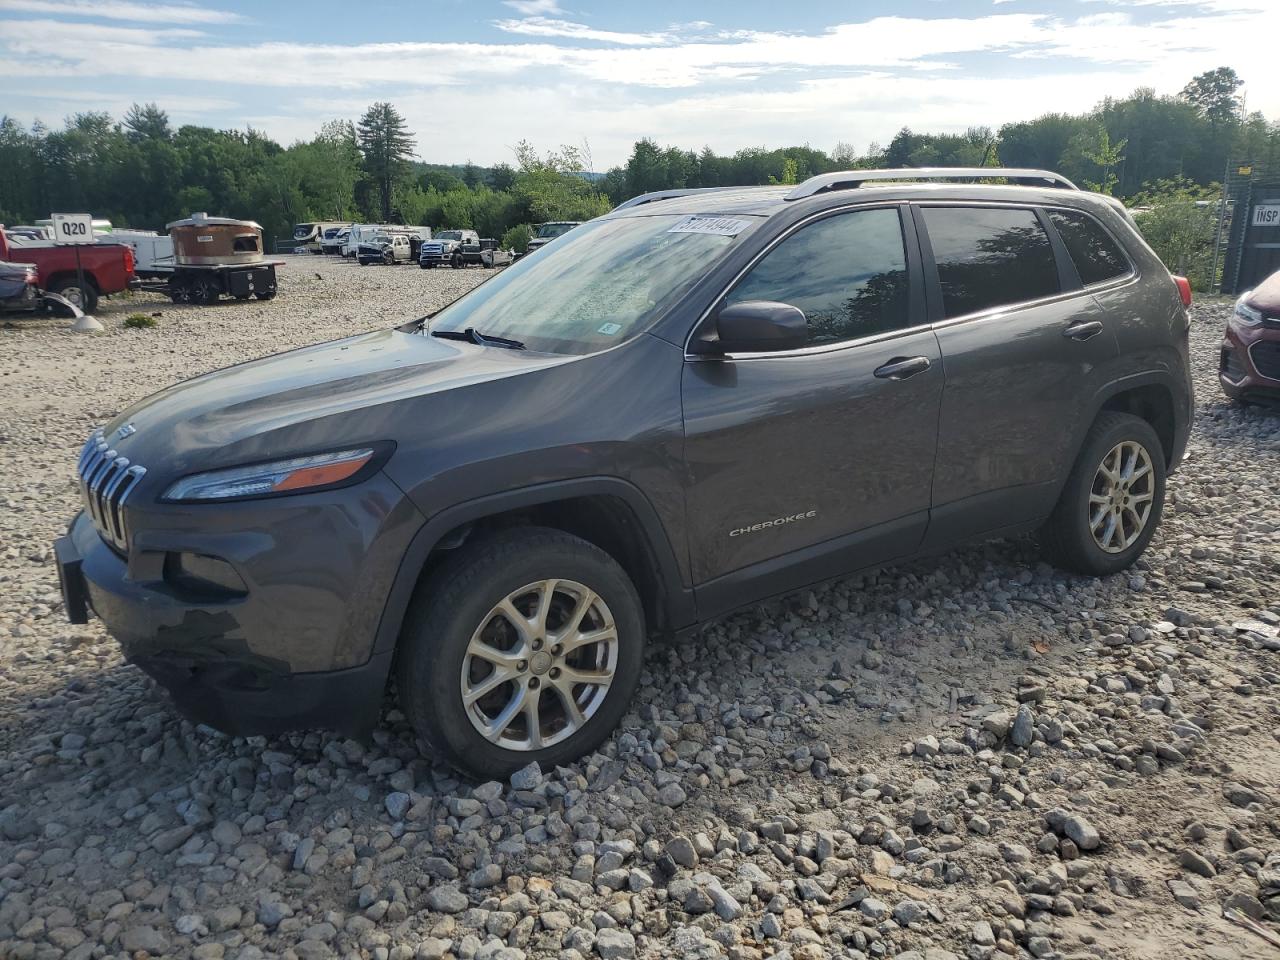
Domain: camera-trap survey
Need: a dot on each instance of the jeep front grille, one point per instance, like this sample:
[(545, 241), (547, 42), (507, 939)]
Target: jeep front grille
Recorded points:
[(106, 480)]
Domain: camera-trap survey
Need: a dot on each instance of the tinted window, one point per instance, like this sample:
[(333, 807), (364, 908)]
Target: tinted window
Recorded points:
[(988, 257), (848, 273), (1097, 257)]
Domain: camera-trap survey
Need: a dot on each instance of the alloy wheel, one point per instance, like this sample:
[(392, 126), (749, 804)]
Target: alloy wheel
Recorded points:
[(539, 665), (1122, 496)]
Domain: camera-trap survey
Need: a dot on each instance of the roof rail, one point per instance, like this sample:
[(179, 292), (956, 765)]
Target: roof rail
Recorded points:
[(850, 179), (657, 195)]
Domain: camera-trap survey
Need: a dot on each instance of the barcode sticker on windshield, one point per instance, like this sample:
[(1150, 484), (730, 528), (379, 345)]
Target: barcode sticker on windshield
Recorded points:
[(716, 226)]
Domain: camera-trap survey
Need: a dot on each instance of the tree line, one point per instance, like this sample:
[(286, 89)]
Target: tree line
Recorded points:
[(1121, 147), (140, 171)]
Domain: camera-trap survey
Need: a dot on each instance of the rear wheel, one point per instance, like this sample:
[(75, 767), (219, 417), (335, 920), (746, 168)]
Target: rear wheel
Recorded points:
[(86, 297), (526, 646), (1112, 501)]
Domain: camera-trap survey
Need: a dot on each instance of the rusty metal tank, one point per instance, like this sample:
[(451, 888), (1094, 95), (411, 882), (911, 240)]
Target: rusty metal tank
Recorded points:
[(205, 241)]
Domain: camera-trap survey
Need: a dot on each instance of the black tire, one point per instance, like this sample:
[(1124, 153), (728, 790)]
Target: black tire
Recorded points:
[(422, 266), (456, 261), (1067, 539), (388, 258), (207, 291), (86, 299), (455, 602)]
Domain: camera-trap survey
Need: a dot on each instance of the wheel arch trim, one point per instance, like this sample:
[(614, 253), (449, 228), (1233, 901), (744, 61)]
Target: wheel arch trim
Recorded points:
[(1178, 393), (677, 598)]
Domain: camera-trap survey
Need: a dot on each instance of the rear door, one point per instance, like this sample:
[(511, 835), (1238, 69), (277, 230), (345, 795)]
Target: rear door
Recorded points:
[(1024, 349), (811, 462)]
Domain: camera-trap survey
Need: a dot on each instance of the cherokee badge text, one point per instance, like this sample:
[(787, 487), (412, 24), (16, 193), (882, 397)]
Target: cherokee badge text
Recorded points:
[(779, 521)]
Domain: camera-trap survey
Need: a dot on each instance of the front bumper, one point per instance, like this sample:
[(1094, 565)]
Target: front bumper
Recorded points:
[(1249, 362), (282, 655)]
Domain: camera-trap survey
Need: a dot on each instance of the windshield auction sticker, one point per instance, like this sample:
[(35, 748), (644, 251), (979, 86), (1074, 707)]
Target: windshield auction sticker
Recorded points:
[(716, 226)]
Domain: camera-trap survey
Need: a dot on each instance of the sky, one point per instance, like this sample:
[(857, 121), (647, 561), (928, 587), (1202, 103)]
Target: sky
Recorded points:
[(473, 77)]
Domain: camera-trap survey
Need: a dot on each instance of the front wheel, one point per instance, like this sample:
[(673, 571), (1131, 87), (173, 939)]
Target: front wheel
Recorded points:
[(525, 646), (1112, 501)]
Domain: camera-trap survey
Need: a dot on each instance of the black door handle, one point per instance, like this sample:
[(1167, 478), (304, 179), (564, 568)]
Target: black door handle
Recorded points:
[(1083, 330), (899, 368)]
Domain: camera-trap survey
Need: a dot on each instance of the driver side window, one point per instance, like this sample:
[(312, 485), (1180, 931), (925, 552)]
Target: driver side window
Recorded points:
[(847, 272)]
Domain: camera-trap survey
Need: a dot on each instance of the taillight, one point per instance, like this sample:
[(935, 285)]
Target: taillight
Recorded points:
[(128, 264), (1184, 289)]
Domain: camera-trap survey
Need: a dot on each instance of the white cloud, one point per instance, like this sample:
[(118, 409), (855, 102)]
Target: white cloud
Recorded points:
[(681, 84), (123, 10), (545, 27), (534, 8)]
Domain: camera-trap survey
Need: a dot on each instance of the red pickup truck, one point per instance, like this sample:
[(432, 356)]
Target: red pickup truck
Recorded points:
[(108, 267)]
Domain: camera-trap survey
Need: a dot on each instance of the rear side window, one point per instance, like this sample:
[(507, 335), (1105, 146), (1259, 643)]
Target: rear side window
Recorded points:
[(1097, 257), (989, 257), (848, 273)]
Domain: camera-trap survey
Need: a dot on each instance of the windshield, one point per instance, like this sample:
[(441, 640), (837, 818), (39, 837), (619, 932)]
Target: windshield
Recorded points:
[(303, 230), (605, 283), (382, 238), (549, 231), (449, 235)]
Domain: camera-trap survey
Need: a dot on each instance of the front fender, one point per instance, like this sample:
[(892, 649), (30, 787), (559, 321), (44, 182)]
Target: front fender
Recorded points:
[(677, 597)]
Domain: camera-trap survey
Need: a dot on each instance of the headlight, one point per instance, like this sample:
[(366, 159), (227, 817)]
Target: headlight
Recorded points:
[(1249, 316), (297, 475)]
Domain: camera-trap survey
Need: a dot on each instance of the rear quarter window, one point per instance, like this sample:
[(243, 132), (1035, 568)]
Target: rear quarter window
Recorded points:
[(1095, 253), (989, 257)]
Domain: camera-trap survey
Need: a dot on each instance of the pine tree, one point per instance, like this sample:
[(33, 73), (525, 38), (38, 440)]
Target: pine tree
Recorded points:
[(387, 147)]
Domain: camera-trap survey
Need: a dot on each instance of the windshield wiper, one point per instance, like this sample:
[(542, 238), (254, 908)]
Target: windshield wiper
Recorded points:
[(475, 336)]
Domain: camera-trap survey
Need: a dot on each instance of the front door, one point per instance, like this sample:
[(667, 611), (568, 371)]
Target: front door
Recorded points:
[(805, 464)]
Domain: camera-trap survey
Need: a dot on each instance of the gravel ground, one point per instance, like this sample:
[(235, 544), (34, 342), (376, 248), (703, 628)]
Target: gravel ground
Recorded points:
[(970, 756)]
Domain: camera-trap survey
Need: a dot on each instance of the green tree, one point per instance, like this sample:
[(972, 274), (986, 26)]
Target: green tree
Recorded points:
[(502, 176), (1178, 218), (387, 145), (517, 238), (1214, 94), (790, 173), (1096, 147), (147, 122)]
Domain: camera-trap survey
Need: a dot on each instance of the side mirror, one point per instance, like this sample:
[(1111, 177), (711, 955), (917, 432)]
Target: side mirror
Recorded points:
[(754, 326)]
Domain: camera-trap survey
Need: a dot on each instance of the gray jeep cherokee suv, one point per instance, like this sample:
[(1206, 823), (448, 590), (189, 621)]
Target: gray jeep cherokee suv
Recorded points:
[(700, 400)]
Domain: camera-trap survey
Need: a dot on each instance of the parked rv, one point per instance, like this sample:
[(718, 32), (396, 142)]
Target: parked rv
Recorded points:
[(333, 238), (307, 236)]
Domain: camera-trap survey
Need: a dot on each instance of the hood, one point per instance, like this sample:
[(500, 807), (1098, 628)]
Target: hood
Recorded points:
[(317, 396), (1266, 296)]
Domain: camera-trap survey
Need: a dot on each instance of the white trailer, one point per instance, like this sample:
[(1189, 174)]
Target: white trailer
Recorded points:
[(152, 252)]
